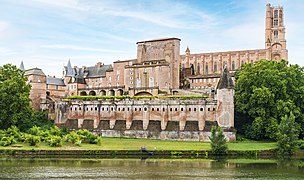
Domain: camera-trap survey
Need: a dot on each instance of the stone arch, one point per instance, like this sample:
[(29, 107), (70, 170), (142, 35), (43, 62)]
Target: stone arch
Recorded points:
[(276, 46), (119, 92), (143, 93), (276, 57), (175, 92), (92, 93), (83, 93), (111, 92), (103, 93)]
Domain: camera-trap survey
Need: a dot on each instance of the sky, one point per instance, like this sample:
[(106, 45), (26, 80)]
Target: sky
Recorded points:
[(48, 33)]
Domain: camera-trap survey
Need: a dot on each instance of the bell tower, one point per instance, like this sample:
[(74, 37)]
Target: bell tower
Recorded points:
[(275, 41)]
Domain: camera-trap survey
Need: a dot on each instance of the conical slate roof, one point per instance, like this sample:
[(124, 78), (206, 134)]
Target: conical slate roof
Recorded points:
[(21, 66), (69, 70), (226, 81)]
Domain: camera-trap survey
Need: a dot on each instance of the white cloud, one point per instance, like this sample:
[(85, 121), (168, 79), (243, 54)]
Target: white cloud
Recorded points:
[(72, 47)]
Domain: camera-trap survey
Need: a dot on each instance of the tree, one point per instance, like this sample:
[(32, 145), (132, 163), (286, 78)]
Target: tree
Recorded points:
[(218, 141), (288, 133), (14, 97), (265, 91)]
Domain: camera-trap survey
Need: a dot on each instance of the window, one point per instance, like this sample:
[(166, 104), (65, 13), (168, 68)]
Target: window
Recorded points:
[(275, 14), (275, 34), (201, 109), (198, 68), (215, 67), (151, 82), (275, 22), (206, 69), (243, 62), (233, 66)]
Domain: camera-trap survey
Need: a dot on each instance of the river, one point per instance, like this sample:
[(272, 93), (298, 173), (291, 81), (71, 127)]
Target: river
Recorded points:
[(12, 168)]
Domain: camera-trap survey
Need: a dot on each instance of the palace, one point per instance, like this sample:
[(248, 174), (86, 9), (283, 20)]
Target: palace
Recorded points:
[(158, 70)]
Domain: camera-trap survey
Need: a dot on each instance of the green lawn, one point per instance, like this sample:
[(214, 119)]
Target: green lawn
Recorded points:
[(136, 144)]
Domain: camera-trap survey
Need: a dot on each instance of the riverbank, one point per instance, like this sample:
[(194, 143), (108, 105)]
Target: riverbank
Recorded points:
[(132, 148)]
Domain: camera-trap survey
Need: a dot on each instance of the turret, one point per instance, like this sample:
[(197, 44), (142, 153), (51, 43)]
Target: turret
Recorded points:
[(225, 105)]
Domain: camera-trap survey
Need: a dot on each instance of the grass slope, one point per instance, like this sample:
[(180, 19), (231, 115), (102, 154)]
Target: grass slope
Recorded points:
[(136, 144)]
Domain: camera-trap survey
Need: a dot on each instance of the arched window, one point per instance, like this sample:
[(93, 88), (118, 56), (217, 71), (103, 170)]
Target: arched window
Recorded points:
[(243, 62), (233, 66), (215, 67), (192, 69), (206, 70), (151, 82), (198, 68)]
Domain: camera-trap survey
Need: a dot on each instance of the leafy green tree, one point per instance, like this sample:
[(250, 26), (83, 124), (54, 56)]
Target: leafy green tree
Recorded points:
[(265, 91), (218, 141), (14, 97), (288, 133)]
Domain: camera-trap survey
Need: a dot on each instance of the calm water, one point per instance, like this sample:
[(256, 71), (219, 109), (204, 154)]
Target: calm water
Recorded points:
[(148, 169)]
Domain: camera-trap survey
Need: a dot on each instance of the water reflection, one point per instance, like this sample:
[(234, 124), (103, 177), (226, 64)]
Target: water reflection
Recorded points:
[(149, 169)]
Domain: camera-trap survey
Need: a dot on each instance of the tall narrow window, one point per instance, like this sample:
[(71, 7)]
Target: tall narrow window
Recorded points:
[(151, 82), (275, 34), (215, 67), (137, 82), (206, 71), (275, 14), (232, 66), (198, 68), (192, 69)]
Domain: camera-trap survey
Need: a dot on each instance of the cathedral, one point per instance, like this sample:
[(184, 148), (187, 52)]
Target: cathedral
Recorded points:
[(159, 69)]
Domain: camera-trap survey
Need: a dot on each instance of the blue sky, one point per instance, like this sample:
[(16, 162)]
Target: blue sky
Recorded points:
[(47, 33)]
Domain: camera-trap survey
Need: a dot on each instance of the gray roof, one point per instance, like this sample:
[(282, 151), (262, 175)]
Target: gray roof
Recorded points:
[(22, 66), (94, 71), (55, 81), (69, 70), (34, 71), (226, 81), (77, 79)]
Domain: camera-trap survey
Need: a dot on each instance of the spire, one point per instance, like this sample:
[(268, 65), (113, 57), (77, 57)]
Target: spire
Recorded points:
[(21, 66), (69, 66), (226, 81), (69, 70), (187, 50)]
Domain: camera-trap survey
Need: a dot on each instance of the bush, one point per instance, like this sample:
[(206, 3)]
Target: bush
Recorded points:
[(35, 130), (7, 141), (287, 135), (218, 141), (72, 137), (78, 143), (55, 141), (98, 140), (301, 144), (33, 140), (87, 136)]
